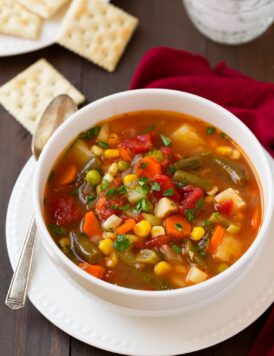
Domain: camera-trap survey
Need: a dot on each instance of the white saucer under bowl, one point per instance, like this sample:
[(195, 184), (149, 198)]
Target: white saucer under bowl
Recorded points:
[(95, 323)]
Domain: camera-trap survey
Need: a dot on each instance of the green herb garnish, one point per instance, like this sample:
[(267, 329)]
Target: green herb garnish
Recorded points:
[(102, 144), (142, 180), (168, 193), (114, 207), (104, 185), (143, 165), (143, 205), (57, 230), (179, 227), (190, 215), (200, 203), (121, 243), (210, 130), (150, 128), (171, 170), (177, 249), (124, 207), (91, 133), (166, 140), (207, 223), (74, 192), (90, 199), (216, 215), (111, 191), (155, 186), (122, 189)]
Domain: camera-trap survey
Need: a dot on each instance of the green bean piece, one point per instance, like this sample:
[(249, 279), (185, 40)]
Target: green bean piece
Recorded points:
[(188, 163), (192, 162), (194, 256), (193, 179), (232, 169), (85, 249)]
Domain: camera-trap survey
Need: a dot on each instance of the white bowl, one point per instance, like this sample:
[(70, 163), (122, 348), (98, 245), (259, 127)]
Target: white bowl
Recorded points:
[(152, 303)]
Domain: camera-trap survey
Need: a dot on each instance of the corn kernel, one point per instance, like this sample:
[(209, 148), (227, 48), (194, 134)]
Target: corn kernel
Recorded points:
[(197, 233), (112, 259), (113, 169), (96, 150), (224, 150), (105, 246), (162, 268), (129, 178), (108, 177), (142, 228), (157, 231), (113, 140), (235, 154), (109, 235), (111, 153)]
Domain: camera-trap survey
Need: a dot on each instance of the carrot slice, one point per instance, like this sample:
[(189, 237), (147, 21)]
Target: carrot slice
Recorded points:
[(125, 154), (216, 239), (177, 226), (91, 225), (69, 175), (126, 227), (255, 222), (148, 167), (94, 270)]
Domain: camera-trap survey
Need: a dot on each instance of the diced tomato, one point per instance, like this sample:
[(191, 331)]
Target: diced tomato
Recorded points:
[(225, 207), (190, 195), (140, 144), (165, 183), (168, 156), (110, 207), (66, 211), (140, 243), (158, 241)]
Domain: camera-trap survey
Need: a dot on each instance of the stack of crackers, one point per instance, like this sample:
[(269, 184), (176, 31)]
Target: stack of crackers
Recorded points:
[(94, 29)]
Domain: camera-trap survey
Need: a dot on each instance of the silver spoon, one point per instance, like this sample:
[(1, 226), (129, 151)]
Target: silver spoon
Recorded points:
[(59, 109)]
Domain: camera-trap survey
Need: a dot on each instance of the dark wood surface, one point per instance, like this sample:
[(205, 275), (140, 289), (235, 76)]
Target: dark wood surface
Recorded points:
[(162, 23)]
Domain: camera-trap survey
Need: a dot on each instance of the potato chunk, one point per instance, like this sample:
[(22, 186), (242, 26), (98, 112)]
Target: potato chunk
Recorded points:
[(231, 194), (187, 136), (165, 207), (229, 250), (195, 275)]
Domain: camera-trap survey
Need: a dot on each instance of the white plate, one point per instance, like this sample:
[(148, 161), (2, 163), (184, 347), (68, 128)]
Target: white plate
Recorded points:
[(11, 45), (95, 323)]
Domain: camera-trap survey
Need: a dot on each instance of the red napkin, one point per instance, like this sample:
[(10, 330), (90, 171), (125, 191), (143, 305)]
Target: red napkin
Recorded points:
[(250, 100)]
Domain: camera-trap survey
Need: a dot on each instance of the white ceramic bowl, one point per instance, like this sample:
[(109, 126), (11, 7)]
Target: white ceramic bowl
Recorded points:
[(152, 303)]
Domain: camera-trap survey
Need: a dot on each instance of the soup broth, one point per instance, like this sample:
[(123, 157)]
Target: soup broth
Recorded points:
[(153, 200)]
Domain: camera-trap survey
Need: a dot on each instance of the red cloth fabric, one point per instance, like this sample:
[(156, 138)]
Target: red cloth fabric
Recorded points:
[(250, 100)]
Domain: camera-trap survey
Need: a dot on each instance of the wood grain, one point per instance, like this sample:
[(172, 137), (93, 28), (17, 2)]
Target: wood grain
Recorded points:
[(162, 23)]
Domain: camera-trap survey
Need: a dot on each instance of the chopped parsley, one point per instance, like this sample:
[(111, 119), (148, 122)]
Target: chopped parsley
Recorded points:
[(207, 223), (73, 192), (103, 144), (216, 215), (143, 165), (155, 186), (143, 205), (168, 193), (122, 189), (121, 243), (57, 230), (150, 128), (200, 203), (90, 199), (104, 185), (177, 249), (171, 170), (166, 140), (114, 207), (210, 130), (143, 180), (91, 133), (190, 215), (124, 207), (179, 227), (111, 191)]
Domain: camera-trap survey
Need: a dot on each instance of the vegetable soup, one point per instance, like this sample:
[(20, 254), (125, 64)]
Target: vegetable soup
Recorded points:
[(153, 200)]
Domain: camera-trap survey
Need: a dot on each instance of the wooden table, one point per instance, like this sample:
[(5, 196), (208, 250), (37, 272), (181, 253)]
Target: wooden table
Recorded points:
[(162, 23)]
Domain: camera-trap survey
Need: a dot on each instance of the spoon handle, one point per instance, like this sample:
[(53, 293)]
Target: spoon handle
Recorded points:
[(16, 296)]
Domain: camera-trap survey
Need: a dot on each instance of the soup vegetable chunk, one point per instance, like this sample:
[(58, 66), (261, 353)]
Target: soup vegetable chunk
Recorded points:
[(153, 200)]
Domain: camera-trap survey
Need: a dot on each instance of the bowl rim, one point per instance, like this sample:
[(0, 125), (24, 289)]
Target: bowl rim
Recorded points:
[(47, 239)]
